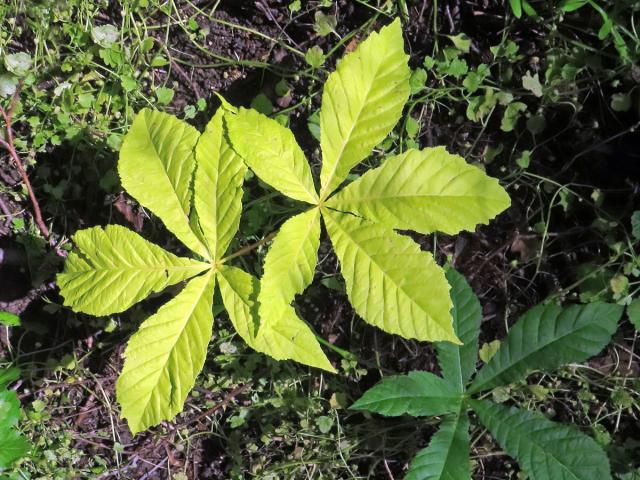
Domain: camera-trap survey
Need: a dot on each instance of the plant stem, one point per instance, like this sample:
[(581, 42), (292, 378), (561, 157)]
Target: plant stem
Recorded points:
[(343, 353), (8, 144), (249, 248)]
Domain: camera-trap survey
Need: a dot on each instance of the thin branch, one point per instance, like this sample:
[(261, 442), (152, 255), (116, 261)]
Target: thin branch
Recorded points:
[(8, 145)]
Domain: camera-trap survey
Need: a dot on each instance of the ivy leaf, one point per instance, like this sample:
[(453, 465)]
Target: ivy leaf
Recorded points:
[(458, 362), (450, 194), (284, 336), (544, 449), (113, 268), (417, 394), (272, 153), (165, 355), (218, 187), (447, 456), (386, 275), (156, 165), (361, 102), (549, 336)]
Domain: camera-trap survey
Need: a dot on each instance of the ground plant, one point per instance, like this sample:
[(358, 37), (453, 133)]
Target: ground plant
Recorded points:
[(544, 338), (222, 223), (13, 445), (160, 159)]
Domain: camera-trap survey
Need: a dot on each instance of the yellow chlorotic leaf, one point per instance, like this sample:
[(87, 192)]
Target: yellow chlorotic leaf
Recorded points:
[(283, 337), (272, 153), (239, 292), (391, 283), (113, 268), (164, 357), (425, 191), (291, 261), (361, 102), (218, 187), (156, 165)]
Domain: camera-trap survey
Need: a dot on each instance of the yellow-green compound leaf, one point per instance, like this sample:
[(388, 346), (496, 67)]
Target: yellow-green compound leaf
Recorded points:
[(391, 283), (361, 102), (164, 357), (218, 187), (156, 165), (240, 297), (272, 153), (113, 268), (426, 191), (291, 261), (283, 336)]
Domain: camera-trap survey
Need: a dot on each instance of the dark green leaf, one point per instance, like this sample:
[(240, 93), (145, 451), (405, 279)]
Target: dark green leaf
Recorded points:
[(417, 394), (8, 375), (447, 456), (633, 312), (9, 408), (12, 447), (547, 337), (458, 362), (544, 449)]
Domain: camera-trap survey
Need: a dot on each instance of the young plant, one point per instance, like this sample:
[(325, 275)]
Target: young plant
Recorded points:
[(193, 183), (390, 281), (544, 338), (13, 446)]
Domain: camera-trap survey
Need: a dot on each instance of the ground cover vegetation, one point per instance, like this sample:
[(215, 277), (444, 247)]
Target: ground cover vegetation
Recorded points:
[(119, 119)]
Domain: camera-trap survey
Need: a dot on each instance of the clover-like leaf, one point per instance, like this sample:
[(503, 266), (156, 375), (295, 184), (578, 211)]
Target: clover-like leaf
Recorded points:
[(546, 337), (417, 394), (156, 165), (218, 187), (458, 362), (447, 455), (272, 153), (426, 191), (165, 355), (113, 268), (544, 449), (391, 283), (361, 103)]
